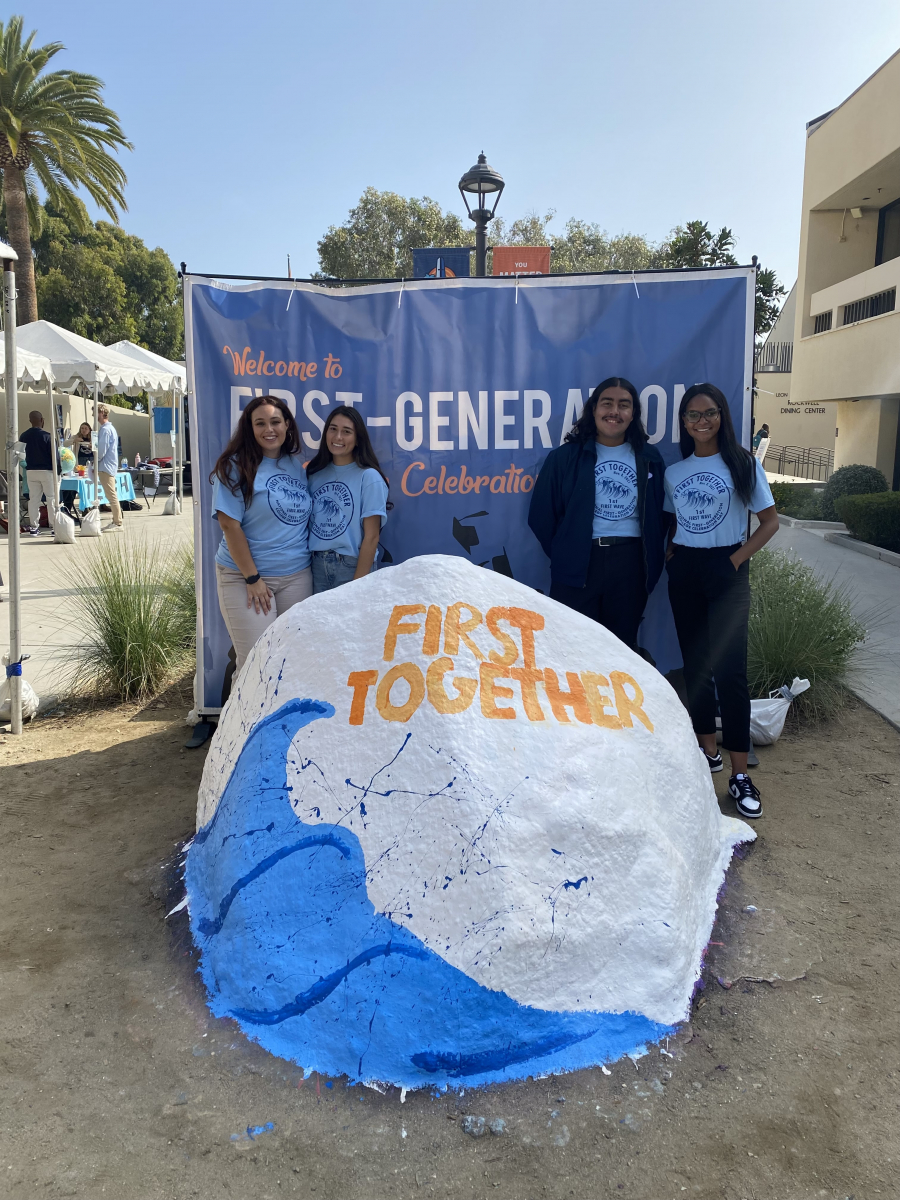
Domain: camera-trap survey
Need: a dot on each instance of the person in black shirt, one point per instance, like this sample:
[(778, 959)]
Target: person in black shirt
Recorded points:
[(39, 472)]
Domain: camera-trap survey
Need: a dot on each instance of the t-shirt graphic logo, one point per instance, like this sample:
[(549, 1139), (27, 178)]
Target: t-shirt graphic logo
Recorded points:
[(288, 499), (332, 510), (615, 490), (701, 502)]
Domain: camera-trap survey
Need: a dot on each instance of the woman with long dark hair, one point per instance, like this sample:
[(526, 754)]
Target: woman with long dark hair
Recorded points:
[(262, 503), (712, 491), (350, 501), (597, 512)]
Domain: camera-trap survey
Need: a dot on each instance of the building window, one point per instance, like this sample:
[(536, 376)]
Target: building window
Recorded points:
[(823, 322), (888, 244), (872, 306)]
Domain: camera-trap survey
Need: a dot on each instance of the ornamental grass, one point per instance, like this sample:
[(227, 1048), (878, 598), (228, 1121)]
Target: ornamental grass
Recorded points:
[(138, 605), (800, 625)]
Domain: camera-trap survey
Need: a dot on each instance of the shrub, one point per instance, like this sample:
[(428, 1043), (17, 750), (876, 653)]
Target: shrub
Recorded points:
[(139, 604), (874, 519), (855, 480), (799, 625), (797, 501)]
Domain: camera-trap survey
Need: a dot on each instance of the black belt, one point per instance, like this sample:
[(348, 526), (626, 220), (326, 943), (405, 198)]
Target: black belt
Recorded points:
[(613, 541)]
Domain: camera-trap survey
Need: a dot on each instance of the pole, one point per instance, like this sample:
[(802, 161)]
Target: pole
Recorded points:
[(53, 453), (481, 220), (14, 670), (96, 503), (181, 445)]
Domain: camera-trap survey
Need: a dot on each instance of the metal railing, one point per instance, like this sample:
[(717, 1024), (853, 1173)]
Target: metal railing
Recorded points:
[(775, 356), (870, 306), (803, 462), (822, 322)]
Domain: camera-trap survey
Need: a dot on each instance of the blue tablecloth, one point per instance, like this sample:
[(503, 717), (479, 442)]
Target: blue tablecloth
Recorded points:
[(85, 488)]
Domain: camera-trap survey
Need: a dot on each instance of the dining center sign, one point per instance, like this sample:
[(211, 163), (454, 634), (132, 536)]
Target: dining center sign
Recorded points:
[(465, 386)]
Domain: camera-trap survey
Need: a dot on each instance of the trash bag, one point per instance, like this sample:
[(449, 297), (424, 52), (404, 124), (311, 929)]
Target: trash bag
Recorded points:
[(90, 523), (63, 528), (172, 508), (30, 699), (767, 717)]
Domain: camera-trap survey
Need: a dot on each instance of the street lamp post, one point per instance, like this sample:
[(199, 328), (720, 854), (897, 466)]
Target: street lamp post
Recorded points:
[(13, 516), (481, 181)]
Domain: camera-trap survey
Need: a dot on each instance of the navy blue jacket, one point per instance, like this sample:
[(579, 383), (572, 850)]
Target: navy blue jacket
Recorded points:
[(561, 515)]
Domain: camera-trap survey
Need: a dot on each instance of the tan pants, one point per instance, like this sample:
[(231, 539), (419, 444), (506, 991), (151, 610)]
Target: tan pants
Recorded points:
[(108, 483), (245, 624)]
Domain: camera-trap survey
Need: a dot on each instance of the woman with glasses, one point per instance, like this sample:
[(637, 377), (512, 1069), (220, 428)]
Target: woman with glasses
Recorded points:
[(597, 510), (712, 491)]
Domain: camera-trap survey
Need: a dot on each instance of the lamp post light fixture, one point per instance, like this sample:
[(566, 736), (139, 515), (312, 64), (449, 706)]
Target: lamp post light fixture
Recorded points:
[(481, 181)]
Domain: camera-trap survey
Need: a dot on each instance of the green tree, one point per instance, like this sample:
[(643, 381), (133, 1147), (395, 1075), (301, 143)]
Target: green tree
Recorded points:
[(106, 285), (583, 246), (55, 134), (768, 296), (695, 245), (378, 237)]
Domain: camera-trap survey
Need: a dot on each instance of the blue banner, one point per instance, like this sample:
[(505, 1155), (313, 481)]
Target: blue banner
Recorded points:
[(465, 387), (442, 262)]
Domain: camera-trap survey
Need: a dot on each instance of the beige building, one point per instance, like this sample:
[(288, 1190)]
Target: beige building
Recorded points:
[(846, 339), (807, 426)]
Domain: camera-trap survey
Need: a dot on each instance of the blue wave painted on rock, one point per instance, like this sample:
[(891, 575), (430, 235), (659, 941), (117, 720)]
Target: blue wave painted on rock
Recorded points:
[(293, 949)]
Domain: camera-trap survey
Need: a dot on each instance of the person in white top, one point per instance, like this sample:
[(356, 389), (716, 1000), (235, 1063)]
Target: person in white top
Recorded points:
[(711, 492)]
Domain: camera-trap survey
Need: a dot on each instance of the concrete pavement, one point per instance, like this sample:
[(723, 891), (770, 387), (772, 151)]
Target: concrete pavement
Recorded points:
[(51, 573), (874, 590)]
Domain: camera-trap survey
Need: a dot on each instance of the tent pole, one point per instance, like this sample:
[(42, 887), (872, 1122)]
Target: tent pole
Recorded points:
[(54, 452), (14, 670), (96, 503), (174, 448), (180, 436)]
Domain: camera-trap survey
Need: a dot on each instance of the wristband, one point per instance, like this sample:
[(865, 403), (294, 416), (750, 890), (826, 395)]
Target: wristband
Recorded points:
[(252, 578)]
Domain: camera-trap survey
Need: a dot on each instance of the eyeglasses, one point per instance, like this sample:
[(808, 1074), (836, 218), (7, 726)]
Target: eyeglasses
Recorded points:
[(692, 416)]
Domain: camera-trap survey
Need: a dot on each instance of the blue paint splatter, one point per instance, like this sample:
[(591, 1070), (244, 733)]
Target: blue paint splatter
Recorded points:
[(292, 947)]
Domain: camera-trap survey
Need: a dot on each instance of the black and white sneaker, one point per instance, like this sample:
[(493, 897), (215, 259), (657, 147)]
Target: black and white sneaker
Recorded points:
[(713, 761), (745, 795)]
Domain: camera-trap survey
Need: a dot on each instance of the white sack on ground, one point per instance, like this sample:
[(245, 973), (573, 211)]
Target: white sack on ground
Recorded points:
[(450, 831)]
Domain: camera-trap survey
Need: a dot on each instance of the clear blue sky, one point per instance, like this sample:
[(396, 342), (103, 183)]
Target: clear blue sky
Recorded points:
[(257, 125)]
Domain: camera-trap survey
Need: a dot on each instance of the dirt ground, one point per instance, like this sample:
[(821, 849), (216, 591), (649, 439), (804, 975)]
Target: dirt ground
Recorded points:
[(114, 1079)]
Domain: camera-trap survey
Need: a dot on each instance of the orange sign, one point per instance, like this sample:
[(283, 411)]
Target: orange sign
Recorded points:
[(615, 702), (521, 260)]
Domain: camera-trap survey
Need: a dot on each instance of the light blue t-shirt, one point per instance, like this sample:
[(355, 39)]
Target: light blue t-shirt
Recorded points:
[(615, 493), (700, 492), (276, 523), (342, 497), (107, 449)]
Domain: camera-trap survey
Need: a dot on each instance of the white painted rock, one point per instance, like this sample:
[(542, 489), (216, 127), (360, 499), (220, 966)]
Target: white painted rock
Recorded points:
[(451, 832)]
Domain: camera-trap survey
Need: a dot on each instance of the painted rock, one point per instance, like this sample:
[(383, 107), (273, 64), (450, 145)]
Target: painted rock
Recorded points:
[(451, 832)]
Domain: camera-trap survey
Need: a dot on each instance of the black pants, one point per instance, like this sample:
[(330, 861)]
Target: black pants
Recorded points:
[(615, 593), (711, 606)]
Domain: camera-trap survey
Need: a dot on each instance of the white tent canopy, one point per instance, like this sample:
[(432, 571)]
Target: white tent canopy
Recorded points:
[(75, 360), (148, 358), (31, 369)]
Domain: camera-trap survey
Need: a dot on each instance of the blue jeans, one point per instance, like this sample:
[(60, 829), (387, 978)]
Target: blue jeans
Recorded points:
[(330, 570)]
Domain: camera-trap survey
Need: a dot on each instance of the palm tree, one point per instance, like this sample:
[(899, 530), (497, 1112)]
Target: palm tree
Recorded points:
[(56, 133)]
